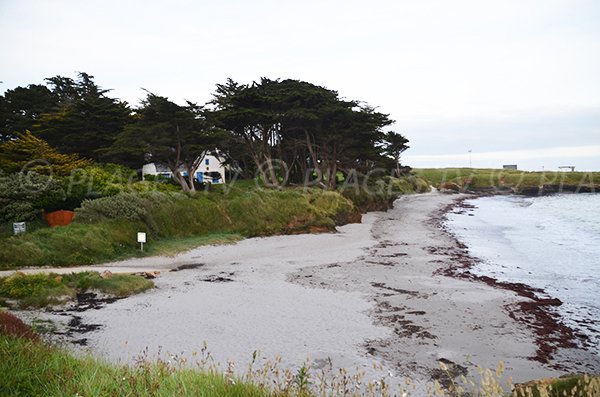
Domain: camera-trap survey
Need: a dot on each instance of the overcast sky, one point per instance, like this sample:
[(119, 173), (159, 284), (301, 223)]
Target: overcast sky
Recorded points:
[(513, 81)]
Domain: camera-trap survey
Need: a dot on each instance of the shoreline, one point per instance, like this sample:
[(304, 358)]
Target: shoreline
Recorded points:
[(388, 271), (539, 313), (551, 332)]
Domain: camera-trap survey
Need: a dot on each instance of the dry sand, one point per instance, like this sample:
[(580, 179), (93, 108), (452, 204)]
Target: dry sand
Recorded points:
[(366, 294)]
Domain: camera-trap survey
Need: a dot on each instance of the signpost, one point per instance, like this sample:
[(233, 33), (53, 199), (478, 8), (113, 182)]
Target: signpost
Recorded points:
[(141, 238), (19, 227)]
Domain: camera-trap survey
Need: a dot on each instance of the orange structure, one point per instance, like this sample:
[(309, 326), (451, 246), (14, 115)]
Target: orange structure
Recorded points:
[(59, 218)]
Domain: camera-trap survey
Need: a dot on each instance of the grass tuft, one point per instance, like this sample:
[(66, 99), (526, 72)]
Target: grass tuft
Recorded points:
[(40, 290)]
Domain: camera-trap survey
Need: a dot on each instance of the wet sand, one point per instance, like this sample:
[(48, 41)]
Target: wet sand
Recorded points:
[(373, 292)]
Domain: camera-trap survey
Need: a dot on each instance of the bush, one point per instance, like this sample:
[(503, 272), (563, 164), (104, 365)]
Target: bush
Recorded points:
[(121, 206), (34, 290), (120, 285), (23, 195), (20, 285)]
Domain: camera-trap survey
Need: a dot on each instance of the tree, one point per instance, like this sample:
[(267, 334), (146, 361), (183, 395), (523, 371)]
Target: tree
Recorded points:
[(34, 154), (250, 113), (275, 119), (22, 107), (310, 128), (168, 133), (394, 145), (86, 120)]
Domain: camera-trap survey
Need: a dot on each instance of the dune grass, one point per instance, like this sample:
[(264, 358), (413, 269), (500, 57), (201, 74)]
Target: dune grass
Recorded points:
[(33, 368), (44, 289), (30, 368)]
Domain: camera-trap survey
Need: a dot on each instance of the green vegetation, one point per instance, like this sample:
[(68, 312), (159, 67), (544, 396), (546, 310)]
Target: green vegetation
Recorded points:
[(35, 368), (39, 290), (286, 131), (568, 386), (466, 179), (492, 383), (304, 142), (381, 193), (17, 154), (105, 229), (172, 247)]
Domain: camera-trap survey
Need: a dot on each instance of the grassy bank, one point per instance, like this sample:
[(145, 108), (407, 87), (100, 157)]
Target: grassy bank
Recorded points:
[(39, 290), (105, 229), (531, 183)]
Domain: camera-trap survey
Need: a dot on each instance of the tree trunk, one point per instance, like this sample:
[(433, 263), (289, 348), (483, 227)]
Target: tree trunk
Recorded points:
[(272, 173), (332, 176), (181, 179)]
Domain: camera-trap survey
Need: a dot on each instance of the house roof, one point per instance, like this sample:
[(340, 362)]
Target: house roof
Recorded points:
[(161, 168)]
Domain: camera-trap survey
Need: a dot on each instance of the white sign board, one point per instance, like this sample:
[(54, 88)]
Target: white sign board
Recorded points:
[(141, 237), (19, 227)]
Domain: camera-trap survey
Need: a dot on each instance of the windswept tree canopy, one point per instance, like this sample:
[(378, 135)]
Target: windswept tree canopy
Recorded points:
[(22, 107), (300, 129), (286, 131), (74, 116), (394, 145), (86, 121)]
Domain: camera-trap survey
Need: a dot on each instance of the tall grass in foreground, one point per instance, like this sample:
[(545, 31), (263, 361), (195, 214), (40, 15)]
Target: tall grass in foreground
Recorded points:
[(29, 368)]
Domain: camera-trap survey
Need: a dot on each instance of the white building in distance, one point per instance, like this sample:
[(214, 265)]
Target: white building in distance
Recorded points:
[(210, 170)]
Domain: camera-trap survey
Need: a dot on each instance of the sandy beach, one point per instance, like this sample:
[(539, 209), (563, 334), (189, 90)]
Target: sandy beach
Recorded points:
[(371, 293)]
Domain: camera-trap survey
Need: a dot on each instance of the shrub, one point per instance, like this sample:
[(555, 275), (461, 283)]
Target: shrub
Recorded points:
[(34, 290), (22, 195), (121, 206)]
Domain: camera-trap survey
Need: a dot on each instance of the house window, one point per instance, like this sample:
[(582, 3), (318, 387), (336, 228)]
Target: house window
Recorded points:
[(206, 161)]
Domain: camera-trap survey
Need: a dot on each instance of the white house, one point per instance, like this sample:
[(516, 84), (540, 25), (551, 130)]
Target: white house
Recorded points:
[(210, 169)]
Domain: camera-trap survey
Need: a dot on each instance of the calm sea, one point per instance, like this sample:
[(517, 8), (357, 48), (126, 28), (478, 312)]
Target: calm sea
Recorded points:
[(550, 242)]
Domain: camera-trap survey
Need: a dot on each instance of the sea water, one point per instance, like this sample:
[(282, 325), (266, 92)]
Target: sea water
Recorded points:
[(550, 242)]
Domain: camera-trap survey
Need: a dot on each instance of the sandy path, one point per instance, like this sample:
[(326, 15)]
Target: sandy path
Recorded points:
[(365, 294)]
